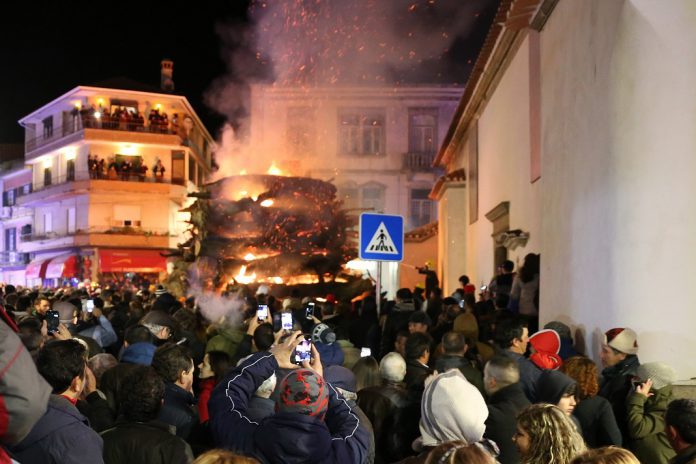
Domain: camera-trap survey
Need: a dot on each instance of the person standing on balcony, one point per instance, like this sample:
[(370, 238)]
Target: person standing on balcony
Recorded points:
[(92, 166), (158, 171), (126, 168)]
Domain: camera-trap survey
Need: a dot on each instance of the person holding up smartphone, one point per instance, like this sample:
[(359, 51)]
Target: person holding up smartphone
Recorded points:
[(321, 423)]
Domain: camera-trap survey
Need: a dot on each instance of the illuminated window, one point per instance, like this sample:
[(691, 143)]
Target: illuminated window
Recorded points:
[(362, 132)]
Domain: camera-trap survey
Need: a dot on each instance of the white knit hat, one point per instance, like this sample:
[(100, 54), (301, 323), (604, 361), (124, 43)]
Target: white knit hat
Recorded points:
[(452, 409), (622, 339)]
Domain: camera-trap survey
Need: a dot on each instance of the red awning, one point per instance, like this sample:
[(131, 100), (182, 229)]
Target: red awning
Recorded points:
[(37, 269), (143, 261), (62, 266)]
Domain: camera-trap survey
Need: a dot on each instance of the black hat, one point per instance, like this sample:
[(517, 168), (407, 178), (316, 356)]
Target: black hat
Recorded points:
[(420, 317)]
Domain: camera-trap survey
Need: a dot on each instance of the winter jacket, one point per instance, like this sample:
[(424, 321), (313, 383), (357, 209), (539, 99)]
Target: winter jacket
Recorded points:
[(394, 420), (396, 320), (227, 340), (615, 385), (284, 437), (96, 409), (416, 373), (529, 374), (138, 353), (501, 424), (524, 295), (111, 381), (688, 456), (24, 393), (473, 375), (103, 332), (598, 422), (646, 426), (179, 409), (61, 436), (260, 408), (144, 443)]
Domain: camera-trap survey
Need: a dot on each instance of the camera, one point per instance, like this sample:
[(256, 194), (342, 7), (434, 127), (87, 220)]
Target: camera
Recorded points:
[(303, 351), (52, 321), (262, 312)]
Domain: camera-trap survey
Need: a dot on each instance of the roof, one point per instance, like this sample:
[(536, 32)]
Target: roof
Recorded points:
[(126, 83), (455, 176), (513, 16), (422, 233)]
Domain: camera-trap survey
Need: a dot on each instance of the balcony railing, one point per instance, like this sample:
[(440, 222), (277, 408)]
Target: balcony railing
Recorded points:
[(90, 122), (13, 258), (418, 161), (127, 230), (111, 176)]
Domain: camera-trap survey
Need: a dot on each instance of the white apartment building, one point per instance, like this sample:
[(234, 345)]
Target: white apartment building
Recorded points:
[(107, 221), (15, 221)]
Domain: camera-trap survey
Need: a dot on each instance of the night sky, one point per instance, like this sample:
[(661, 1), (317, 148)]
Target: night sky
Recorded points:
[(49, 48)]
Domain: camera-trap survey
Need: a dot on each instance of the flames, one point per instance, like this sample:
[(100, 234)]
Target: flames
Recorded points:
[(274, 170), (243, 278)]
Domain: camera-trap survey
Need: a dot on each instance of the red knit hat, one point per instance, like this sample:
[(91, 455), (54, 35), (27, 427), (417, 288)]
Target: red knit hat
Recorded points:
[(546, 343)]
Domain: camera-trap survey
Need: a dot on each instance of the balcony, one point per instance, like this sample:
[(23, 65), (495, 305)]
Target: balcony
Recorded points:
[(134, 237), (418, 161), (13, 258), (9, 213), (103, 129)]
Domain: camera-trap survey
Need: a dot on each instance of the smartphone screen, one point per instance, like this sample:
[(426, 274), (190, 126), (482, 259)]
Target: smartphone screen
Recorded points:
[(90, 306), (309, 311), (262, 312), (303, 352), (286, 319), (365, 352), (52, 321)]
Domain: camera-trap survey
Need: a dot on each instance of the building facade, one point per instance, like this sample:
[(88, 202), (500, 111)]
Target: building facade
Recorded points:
[(108, 171), (574, 139), (16, 222)]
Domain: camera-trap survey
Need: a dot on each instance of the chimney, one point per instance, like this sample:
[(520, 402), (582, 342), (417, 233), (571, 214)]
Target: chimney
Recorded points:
[(166, 76)]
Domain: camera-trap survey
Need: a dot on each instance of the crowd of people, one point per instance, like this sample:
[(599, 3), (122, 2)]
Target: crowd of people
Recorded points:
[(125, 169), (134, 375), (124, 118)]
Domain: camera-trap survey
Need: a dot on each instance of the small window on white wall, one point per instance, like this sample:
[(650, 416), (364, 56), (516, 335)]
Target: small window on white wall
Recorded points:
[(48, 223), (71, 221), (126, 215)]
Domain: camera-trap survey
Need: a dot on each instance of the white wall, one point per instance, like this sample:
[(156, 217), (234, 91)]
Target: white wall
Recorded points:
[(619, 173)]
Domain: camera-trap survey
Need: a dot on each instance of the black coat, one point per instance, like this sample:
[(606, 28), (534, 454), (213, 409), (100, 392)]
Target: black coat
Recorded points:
[(615, 386), (416, 373), (394, 418), (144, 443), (501, 424), (179, 409), (598, 423), (396, 320), (473, 375)]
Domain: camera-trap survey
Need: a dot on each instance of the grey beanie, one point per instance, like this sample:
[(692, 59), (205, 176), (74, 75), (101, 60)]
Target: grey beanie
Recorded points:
[(661, 374)]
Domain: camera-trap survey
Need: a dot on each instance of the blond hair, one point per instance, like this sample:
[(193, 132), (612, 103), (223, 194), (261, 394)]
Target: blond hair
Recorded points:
[(220, 456), (606, 455), (553, 437)]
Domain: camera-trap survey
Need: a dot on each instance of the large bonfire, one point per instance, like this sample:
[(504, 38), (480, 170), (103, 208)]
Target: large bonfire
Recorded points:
[(264, 229)]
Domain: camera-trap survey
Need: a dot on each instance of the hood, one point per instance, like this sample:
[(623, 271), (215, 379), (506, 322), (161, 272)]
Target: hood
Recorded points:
[(293, 438), (452, 409), (59, 414), (231, 333), (546, 360), (139, 353), (331, 355), (551, 385)]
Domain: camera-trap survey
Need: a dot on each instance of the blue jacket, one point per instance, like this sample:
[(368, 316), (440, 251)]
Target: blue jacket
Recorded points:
[(61, 436), (138, 353), (283, 437)]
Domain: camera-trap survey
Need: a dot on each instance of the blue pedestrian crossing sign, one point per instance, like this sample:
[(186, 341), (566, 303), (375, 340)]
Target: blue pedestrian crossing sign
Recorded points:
[(381, 237)]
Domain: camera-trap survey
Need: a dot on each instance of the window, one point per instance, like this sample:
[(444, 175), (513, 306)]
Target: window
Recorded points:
[(48, 127), (8, 198), (71, 221), (191, 169), (350, 195), (300, 131), (178, 167), (70, 171), (48, 179), (11, 239), (421, 207), (422, 130), (361, 132), (48, 223), (373, 197), (26, 189)]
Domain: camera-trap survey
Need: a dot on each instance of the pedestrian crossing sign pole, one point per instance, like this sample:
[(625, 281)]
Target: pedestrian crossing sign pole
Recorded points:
[(381, 239)]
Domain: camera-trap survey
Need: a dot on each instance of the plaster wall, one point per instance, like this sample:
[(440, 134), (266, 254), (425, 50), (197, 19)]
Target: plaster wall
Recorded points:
[(619, 173)]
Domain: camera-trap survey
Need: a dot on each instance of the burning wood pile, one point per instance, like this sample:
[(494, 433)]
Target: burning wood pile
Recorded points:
[(266, 229)]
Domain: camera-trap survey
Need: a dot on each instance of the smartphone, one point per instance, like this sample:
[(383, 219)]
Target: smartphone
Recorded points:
[(286, 321), (484, 288), (52, 321), (309, 310), (303, 352), (262, 312), (89, 304), (365, 352)]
